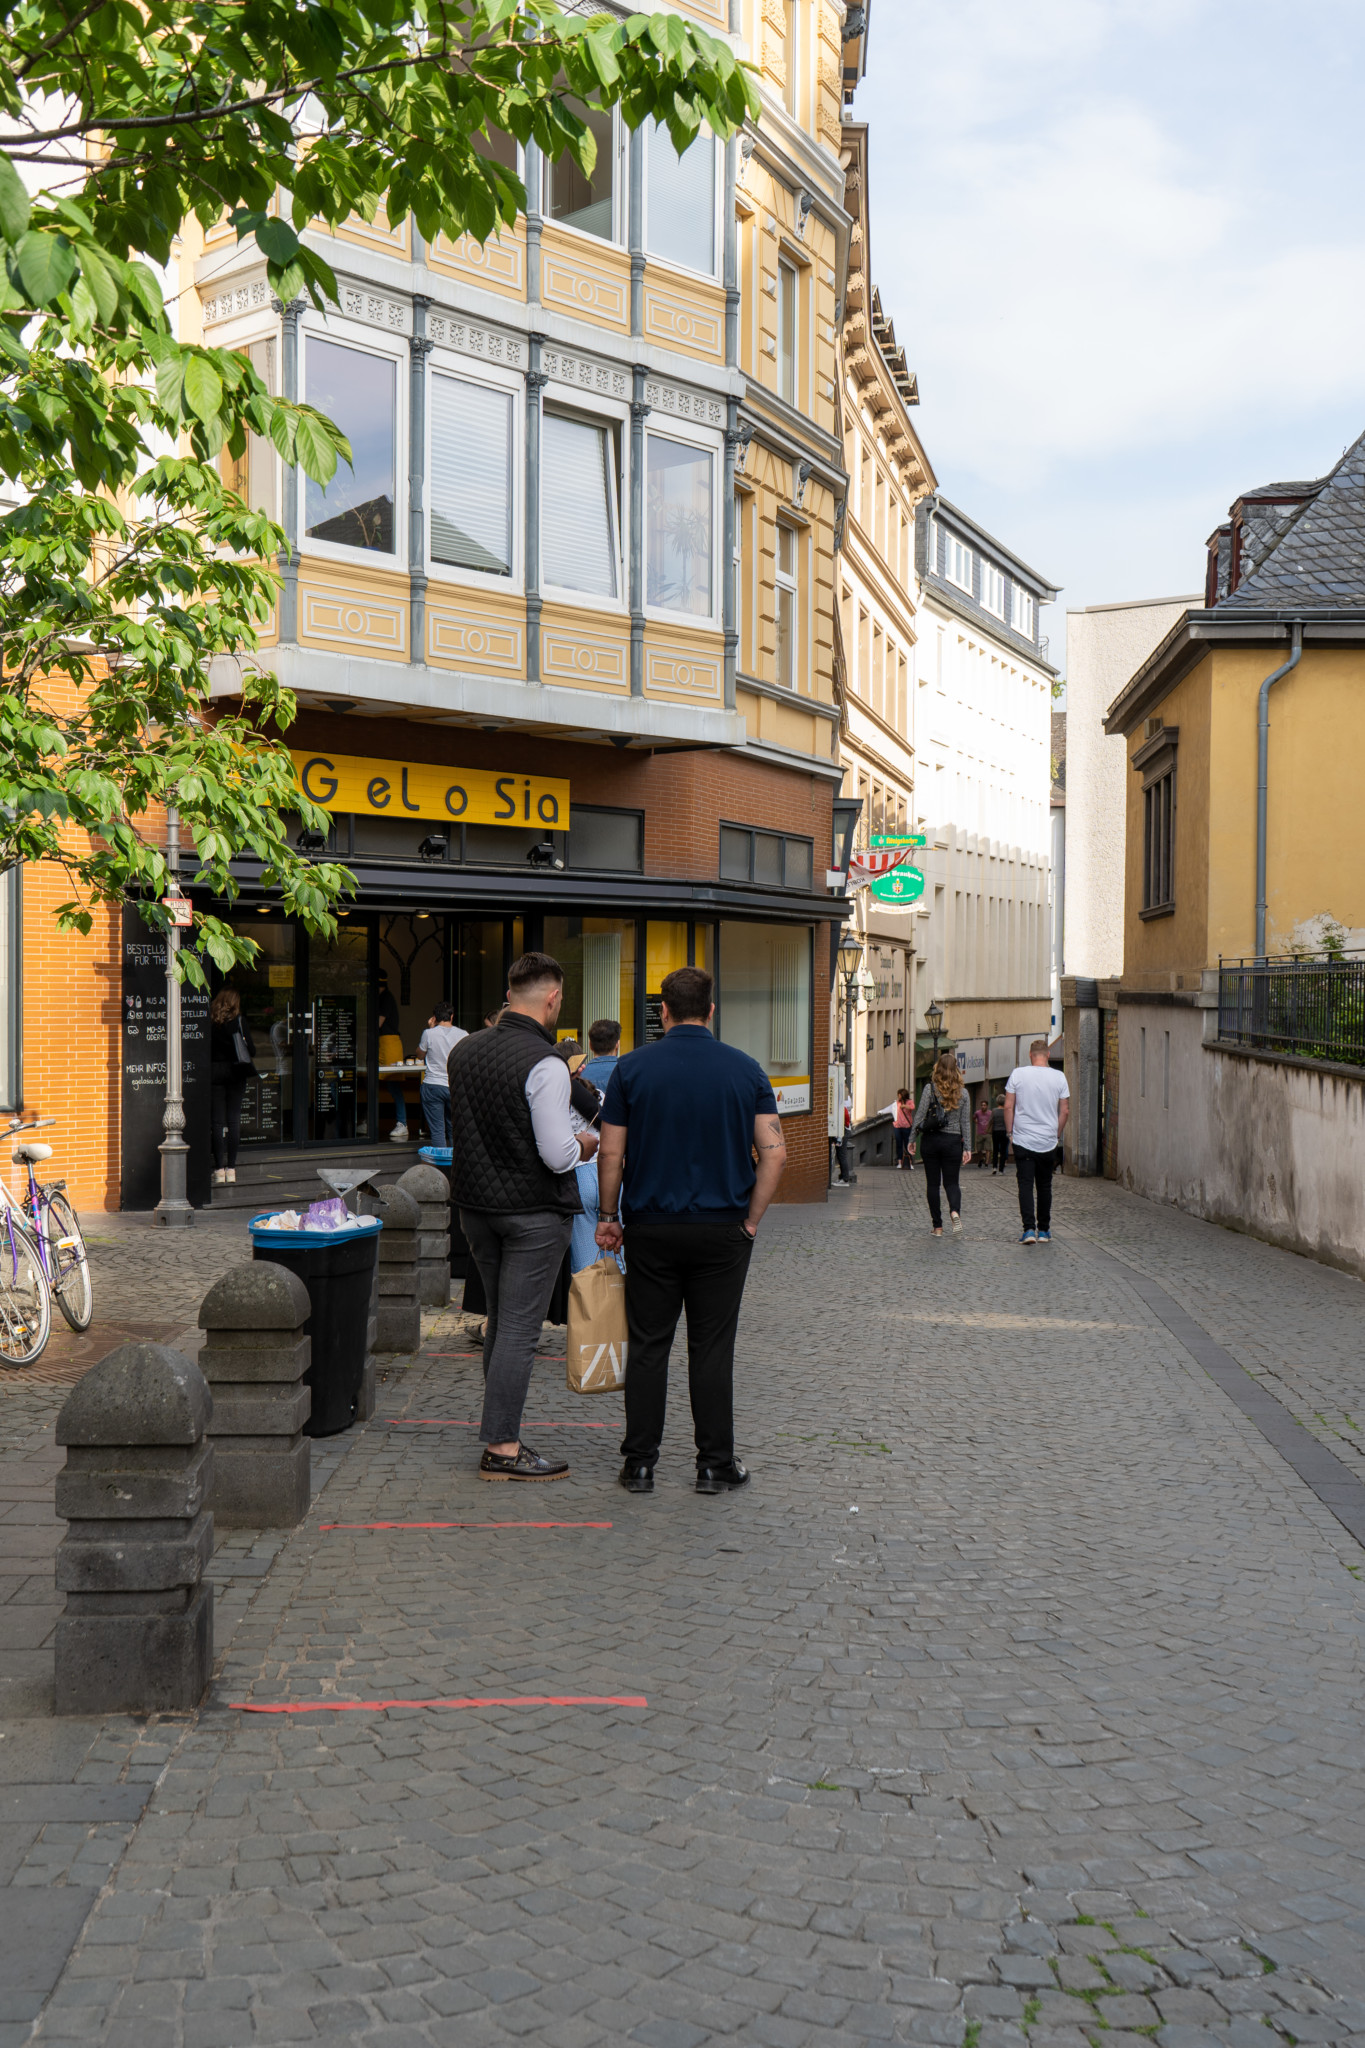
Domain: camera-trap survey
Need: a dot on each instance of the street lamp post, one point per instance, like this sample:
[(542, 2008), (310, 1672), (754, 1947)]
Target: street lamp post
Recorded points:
[(174, 1207), (933, 1017), (850, 960)]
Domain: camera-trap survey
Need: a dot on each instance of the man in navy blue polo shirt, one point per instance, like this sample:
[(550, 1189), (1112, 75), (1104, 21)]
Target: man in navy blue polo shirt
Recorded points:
[(683, 1119)]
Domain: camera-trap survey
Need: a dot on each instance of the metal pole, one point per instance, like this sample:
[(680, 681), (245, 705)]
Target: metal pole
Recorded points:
[(174, 1207), (1263, 774)]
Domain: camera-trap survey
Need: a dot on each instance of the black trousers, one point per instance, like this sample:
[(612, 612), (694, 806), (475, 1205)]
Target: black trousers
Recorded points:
[(1035, 1169), (942, 1156), (225, 1110), (699, 1268), (1000, 1145)]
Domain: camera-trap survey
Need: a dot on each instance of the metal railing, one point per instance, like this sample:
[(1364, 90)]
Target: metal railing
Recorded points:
[(1312, 1009)]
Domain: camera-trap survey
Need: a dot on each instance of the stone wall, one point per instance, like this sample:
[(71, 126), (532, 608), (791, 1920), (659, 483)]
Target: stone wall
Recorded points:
[(1271, 1146)]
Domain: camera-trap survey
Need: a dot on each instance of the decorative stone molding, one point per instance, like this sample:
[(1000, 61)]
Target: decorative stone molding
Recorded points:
[(354, 621), (561, 367), (570, 657), (582, 288), (678, 322), (682, 673), (467, 338), (498, 263), (700, 406), (376, 309), (469, 639), (232, 301)]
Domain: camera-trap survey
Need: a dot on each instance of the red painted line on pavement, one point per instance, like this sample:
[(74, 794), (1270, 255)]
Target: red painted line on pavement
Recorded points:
[(464, 1525), (448, 1422), (566, 1699)]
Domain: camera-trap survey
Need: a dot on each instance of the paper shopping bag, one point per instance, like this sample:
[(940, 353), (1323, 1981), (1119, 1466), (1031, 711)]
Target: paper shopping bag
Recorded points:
[(596, 1359)]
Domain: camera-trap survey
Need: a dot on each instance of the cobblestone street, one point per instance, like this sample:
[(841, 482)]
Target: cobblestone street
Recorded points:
[(1018, 1698)]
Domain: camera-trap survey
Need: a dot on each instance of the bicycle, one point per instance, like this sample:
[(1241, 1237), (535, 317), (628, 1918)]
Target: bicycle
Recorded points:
[(51, 1221), (25, 1298)]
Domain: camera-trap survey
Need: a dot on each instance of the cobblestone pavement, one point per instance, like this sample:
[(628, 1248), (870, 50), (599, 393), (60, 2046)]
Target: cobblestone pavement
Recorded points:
[(1018, 1699)]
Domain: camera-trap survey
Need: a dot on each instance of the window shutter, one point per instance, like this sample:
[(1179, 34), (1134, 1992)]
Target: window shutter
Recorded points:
[(577, 506), (471, 476)]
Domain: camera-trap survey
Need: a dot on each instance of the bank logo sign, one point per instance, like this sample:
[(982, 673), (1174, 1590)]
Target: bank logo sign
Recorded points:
[(416, 789)]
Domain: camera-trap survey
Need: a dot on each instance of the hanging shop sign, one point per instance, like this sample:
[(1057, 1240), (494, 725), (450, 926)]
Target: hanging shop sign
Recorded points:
[(971, 1058), (413, 789), (903, 885), (899, 839)]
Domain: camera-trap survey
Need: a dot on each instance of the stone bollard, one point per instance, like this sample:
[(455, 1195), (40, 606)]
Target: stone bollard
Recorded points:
[(136, 1636), (400, 1316), (430, 1189), (254, 1359)]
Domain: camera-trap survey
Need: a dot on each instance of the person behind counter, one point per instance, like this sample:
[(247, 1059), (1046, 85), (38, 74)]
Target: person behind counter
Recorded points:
[(232, 1057), (391, 1054)]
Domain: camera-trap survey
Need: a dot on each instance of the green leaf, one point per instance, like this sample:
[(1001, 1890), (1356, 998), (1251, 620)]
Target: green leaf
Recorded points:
[(277, 240), (14, 204), (314, 450), (170, 382), (47, 264), (203, 388)]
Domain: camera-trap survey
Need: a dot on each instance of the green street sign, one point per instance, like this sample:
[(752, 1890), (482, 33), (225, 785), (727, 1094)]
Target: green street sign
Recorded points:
[(903, 885), (898, 839)]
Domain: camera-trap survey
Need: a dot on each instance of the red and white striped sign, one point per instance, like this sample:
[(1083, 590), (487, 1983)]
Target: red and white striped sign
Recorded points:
[(869, 862)]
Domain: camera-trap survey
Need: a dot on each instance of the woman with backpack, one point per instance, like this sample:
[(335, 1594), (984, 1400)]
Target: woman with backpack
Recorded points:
[(943, 1126), (232, 1059)]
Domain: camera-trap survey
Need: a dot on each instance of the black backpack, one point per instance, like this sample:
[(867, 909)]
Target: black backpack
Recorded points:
[(936, 1117)]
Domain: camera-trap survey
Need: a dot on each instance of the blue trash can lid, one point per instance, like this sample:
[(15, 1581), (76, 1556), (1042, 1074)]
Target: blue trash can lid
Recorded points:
[(361, 1226), (436, 1155)]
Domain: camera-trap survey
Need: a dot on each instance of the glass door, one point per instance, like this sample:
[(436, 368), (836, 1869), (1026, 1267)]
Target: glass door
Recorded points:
[(339, 1035), (270, 1006)]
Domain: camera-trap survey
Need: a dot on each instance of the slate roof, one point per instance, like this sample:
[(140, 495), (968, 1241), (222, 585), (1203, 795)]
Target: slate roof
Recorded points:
[(1316, 562)]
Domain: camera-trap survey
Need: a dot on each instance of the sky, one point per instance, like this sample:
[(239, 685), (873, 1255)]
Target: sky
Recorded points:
[(1124, 246)]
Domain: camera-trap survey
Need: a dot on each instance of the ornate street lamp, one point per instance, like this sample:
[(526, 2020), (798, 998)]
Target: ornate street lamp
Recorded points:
[(933, 1017)]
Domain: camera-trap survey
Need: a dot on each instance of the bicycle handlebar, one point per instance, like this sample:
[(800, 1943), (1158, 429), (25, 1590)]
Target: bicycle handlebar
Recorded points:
[(41, 1123)]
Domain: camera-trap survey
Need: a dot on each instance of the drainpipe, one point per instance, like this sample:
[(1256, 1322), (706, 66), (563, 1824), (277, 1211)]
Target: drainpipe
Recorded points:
[(1263, 773)]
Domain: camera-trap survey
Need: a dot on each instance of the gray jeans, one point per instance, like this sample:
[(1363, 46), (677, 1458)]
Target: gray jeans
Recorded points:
[(518, 1258)]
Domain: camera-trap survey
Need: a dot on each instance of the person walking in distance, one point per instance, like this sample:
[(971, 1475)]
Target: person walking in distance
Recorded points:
[(943, 1126), (903, 1118), (512, 1178), (982, 1123), (681, 1125), (1037, 1105), (391, 1053), (1000, 1137)]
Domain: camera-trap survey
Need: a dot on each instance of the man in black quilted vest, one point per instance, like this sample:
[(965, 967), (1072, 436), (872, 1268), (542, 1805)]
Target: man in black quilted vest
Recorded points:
[(512, 1172)]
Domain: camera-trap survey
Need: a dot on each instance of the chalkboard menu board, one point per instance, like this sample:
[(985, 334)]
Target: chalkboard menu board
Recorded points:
[(143, 1083), (654, 1018), (262, 1111)]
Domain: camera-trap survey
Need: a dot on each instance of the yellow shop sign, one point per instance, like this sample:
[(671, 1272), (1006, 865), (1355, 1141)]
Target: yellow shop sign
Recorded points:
[(476, 796)]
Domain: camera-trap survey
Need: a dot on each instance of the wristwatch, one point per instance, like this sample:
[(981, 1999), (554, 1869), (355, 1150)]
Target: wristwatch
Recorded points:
[(609, 1215)]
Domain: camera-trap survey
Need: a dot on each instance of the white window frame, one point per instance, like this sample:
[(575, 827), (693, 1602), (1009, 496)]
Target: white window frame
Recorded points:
[(669, 429), (790, 584), (1025, 597), (993, 583), (787, 264), (953, 546), (444, 362), (601, 412), (620, 193), (351, 334), (717, 222)]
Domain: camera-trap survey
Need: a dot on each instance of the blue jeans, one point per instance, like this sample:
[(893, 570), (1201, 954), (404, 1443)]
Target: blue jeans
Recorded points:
[(583, 1246), (436, 1112)]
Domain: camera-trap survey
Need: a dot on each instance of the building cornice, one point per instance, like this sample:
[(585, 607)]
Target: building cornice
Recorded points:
[(986, 623), (1198, 632)]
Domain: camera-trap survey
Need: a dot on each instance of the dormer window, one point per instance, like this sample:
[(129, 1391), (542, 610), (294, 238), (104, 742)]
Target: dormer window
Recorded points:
[(993, 589), (957, 562)]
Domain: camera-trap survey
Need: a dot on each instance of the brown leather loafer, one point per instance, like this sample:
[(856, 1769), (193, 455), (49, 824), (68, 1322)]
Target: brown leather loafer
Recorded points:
[(527, 1464)]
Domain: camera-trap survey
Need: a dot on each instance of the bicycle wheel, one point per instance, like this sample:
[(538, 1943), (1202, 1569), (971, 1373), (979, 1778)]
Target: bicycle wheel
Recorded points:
[(25, 1302), (68, 1264)]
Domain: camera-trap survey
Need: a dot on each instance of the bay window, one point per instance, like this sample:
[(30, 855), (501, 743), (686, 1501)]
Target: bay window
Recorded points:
[(471, 476), (358, 392), (678, 525), (680, 200), (580, 529)]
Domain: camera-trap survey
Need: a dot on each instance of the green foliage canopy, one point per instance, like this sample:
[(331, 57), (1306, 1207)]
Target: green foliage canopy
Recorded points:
[(127, 563)]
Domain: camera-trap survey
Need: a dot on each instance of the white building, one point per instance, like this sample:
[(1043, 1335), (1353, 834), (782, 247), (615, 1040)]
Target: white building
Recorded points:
[(982, 738), (1105, 645)]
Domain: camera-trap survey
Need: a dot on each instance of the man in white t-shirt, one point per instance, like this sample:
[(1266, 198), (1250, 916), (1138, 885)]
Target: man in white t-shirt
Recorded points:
[(436, 1044), (1037, 1105)]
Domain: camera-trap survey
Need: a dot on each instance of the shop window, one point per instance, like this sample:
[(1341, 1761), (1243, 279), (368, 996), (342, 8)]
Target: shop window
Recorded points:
[(579, 528), (10, 970), (358, 392), (586, 199), (678, 526), (785, 578), (606, 839), (765, 997), (680, 200), (471, 476), (665, 949), (597, 955), (279, 1031), (481, 965), (786, 331), (775, 859)]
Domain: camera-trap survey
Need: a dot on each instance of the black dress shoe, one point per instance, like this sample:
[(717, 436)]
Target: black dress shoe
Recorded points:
[(527, 1464), (717, 1478), (637, 1477)]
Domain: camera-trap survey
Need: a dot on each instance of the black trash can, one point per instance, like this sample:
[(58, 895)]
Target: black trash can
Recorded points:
[(338, 1269)]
